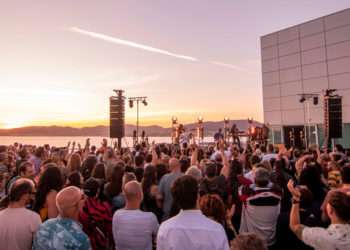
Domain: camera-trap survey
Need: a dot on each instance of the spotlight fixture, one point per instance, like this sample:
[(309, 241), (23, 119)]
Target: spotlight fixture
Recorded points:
[(302, 99), (131, 103), (174, 119), (200, 119), (315, 100), (137, 99)]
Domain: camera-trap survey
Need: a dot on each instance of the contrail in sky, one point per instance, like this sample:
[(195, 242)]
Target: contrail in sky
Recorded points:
[(149, 48), (229, 66), (131, 44)]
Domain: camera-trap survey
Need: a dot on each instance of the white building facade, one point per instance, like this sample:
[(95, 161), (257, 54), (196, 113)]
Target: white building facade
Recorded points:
[(306, 59)]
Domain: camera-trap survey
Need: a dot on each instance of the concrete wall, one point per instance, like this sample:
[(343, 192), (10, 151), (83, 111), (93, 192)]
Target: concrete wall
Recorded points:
[(306, 58)]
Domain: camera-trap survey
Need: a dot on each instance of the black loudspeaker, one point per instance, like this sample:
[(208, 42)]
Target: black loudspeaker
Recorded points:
[(117, 115), (333, 117)]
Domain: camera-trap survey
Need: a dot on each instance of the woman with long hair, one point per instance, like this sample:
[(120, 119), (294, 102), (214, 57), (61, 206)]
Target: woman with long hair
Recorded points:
[(50, 183), (213, 207), (99, 172), (150, 190), (75, 179), (74, 163), (87, 166), (113, 188)]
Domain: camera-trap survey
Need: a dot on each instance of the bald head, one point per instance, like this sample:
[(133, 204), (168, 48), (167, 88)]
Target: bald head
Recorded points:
[(174, 165), (133, 191), (67, 201)]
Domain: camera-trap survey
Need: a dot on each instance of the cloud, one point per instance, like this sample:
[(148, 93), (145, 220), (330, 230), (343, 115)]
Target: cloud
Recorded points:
[(131, 44)]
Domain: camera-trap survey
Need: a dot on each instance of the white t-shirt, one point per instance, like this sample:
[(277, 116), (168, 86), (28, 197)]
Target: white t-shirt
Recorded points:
[(133, 229), (269, 156), (17, 227), (336, 236), (190, 229)]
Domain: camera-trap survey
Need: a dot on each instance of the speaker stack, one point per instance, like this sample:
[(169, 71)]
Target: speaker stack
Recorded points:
[(117, 116), (333, 121)]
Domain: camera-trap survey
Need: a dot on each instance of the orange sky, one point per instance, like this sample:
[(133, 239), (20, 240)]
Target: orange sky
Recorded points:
[(61, 60)]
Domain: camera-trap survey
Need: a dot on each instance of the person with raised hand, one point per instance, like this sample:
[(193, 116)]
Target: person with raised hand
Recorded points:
[(337, 235)]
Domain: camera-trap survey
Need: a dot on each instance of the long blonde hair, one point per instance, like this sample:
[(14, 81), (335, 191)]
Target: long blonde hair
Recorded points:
[(74, 162)]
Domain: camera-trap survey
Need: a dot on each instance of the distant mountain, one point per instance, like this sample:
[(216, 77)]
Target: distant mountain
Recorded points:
[(209, 129)]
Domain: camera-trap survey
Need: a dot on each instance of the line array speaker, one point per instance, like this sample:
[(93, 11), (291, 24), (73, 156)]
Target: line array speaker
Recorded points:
[(117, 115), (333, 120)]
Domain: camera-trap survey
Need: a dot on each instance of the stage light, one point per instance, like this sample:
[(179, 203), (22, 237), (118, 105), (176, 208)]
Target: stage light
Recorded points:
[(174, 119), (200, 119), (302, 99), (315, 100), (145, 102), (131, 103), (252, 130)]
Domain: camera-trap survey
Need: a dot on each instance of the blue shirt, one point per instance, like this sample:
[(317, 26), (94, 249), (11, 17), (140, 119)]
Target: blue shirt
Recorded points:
[(61, 233)]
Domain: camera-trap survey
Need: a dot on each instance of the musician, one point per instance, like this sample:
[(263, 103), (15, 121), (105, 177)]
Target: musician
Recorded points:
[(218, 135), (265, 133), (234, 133)]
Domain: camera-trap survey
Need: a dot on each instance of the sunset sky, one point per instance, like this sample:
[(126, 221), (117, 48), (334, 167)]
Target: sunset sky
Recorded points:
[(60, 60)]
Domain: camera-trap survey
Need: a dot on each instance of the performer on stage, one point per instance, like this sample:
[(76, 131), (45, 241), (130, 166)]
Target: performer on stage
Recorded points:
[(218, 135), (234, 133)]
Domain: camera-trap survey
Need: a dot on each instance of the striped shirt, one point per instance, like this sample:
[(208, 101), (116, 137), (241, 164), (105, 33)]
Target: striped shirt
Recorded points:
[(134, 229), (260, 213)]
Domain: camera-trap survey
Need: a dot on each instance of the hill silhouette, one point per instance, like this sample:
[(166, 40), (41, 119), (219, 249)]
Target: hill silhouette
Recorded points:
[(210, 128)]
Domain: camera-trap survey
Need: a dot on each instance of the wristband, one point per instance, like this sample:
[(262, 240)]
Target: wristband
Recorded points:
[(295, 201)]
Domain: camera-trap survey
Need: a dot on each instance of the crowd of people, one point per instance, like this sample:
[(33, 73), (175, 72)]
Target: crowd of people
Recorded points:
[(174, 197)]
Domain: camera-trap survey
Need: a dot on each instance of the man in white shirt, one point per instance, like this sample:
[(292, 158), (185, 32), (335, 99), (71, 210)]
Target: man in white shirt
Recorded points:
[(133, 228), (18, 224), (190, 229), (337, 235)]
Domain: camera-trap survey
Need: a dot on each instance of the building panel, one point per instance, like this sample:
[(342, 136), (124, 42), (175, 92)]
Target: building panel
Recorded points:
[(313, 56), (339, 81), (291, 102), (312, 27), (338, 35), (288, 48), (293, 117), (273, 117), (315, 85), (291, 88), (337, 19), (268, 40), (269, 53), (272, 104), (290, 75), (271, 91), (270, 65), (288, 34), (270, 78), (312, 42), (290, 61), (314, 70), (338, 66)]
